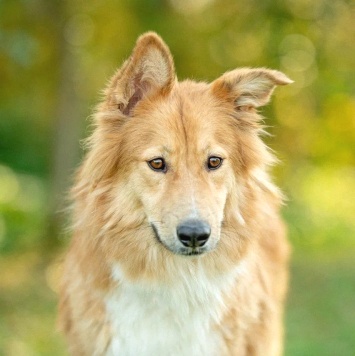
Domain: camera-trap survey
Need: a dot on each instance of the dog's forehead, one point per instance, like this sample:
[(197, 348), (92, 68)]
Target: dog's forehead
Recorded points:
[(183, 118), (187, 120), (188, 108)]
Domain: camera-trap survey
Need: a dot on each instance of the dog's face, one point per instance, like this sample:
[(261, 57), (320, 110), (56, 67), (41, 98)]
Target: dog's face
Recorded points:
[(181, 171), (183, 148)]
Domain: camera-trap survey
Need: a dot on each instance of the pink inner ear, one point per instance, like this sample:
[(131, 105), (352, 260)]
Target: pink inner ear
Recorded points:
[(135, 98), (140, 88)]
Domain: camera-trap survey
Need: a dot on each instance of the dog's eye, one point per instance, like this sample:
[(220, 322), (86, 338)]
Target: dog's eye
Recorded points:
[(214, 162), (157, 164)]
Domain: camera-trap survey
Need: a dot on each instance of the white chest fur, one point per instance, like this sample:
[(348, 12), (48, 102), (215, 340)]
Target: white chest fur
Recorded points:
[(177, 319)]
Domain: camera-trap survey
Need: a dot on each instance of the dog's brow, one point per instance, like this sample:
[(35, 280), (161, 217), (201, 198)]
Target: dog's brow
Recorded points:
[(207, 148), (167, 149), (156, 150), (214, 149)]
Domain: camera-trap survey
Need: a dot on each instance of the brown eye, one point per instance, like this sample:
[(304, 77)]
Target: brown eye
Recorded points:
[(214, 162), (157, 164)]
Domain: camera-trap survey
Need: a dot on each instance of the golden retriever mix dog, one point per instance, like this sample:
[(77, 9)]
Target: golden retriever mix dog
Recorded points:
[(178, 245)]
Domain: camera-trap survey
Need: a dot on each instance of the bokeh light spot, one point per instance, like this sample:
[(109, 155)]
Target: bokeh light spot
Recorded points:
[(9, 185), (187, 6)]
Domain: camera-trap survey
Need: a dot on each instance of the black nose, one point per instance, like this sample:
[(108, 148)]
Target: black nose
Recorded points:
[(193, 233)]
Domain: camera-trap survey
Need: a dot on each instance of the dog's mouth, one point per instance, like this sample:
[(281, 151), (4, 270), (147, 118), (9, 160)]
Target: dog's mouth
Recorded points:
[(179, 250), (192, 251)]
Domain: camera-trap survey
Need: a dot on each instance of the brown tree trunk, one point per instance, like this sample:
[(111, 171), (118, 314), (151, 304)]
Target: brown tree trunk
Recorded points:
[(67, 128)]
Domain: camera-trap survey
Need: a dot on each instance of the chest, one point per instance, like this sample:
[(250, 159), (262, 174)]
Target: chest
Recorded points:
[(176, 319)]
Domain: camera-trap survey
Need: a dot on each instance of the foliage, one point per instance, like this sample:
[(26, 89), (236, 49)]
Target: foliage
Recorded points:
[(56, 55)]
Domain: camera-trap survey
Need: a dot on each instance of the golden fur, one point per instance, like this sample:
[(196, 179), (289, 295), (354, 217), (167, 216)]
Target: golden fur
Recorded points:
[(146, 113)]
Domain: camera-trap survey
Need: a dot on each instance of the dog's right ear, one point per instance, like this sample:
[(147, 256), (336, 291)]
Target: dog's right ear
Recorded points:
[(148, 72)]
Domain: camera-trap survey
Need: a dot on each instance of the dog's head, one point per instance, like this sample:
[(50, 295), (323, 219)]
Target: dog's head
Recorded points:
[(174, 160)]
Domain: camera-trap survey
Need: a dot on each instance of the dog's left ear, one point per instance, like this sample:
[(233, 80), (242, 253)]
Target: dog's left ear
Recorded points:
[(248, 88), (149, 71)]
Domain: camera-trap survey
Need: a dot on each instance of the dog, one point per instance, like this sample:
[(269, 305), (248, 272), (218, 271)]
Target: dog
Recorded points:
[(178, 247)]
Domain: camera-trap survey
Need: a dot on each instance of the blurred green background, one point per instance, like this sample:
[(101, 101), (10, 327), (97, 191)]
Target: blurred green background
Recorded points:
[(56, 56)]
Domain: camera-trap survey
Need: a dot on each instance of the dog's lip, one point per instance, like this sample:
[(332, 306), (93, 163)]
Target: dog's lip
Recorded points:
[(156, 234), (184, 251)]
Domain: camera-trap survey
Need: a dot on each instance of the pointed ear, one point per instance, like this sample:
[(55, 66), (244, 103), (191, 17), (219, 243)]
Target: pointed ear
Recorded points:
[(248, 88), (149, 71)]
